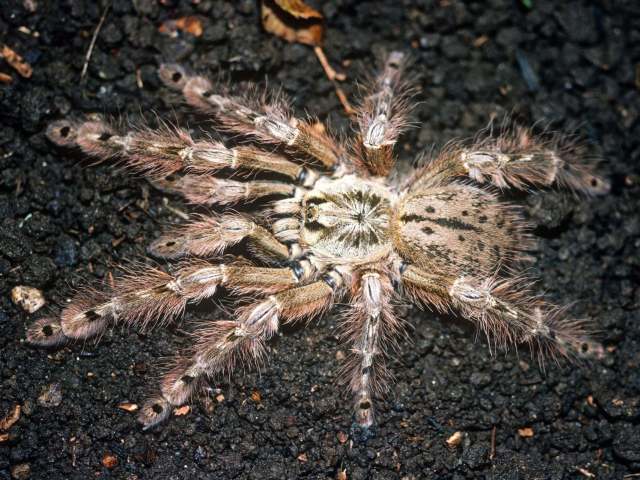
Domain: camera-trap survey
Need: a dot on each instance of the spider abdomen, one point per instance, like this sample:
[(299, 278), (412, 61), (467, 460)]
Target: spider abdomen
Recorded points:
[(459, 228)]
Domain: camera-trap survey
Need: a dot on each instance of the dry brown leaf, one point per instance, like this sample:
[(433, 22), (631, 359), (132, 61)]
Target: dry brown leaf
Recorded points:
[(10, 419), (298, 9), (16, 61), (256, 397), (4, 437), (190, 24), (292, 20), (6, 79)]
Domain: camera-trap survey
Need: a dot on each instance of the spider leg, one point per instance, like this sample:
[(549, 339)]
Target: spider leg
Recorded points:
[(209, 190), (147, 296), (516, 158), (211, 235), (223, 345), (505, 310), (268, 122), (382, 115), (158, 153), (369, 327)]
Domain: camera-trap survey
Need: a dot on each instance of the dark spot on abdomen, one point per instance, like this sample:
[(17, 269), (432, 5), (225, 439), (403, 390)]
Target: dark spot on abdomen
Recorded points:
[(412, 217), (454, 224)]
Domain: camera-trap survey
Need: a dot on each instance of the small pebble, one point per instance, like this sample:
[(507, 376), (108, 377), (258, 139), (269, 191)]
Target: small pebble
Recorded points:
[(454, 440), (109, 460), (51, 396), (28, 298), (20, 471)]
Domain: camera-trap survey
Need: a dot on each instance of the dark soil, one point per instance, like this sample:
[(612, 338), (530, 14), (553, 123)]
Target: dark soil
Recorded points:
[(64, 221)]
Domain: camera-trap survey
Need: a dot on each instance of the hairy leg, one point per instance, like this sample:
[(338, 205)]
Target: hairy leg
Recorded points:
[(148, 296), (505, 310), (157, 153), (369, 328), (211, 235), (516, 158), (382, 115), (223, 345), (209, 190), (270, 122)]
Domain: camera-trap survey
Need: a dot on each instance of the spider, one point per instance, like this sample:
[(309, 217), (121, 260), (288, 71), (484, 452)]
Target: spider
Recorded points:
[(326, 222)]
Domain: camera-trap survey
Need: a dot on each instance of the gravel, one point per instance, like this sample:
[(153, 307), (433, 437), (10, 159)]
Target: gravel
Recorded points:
[(65, 221)]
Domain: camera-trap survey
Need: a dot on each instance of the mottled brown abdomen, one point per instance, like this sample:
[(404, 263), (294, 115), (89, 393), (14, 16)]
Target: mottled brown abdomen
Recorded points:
[(459, 229)]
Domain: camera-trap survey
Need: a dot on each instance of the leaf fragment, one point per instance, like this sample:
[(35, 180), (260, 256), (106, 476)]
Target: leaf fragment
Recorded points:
[(256, 397), (526, 432), (181, 411), (16, 61), (109, 460), (191, 24), (11, 418), (128, 407), (293, 20), (298, 9)]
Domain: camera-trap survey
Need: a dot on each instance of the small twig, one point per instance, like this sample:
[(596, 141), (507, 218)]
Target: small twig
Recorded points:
[(328, 69), (344, 101), (492, 455), (334, 77), (87, 57)]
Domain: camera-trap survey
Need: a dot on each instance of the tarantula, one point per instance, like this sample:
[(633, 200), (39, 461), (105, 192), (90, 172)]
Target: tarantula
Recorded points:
[(325, 222)]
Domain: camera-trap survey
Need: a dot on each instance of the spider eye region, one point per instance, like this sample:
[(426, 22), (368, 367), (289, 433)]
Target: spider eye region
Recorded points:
[(312, 213), (347, 218)]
